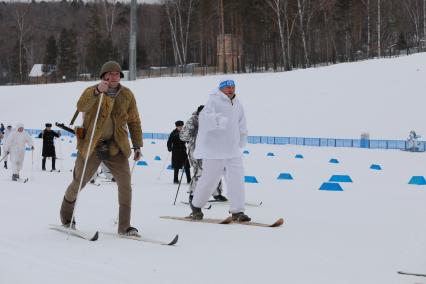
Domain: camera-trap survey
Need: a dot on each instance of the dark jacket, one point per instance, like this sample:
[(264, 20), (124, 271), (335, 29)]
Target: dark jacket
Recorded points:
[(48, 145), (178, 149)]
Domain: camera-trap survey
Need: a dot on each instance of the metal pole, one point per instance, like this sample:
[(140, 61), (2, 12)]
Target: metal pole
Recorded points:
[(132, 43)]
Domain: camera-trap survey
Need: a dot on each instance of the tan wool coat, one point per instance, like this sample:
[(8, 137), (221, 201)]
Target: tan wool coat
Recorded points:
[(125, 117)]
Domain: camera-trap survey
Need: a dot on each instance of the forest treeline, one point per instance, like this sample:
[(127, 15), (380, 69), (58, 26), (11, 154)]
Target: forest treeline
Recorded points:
[(73, 38)]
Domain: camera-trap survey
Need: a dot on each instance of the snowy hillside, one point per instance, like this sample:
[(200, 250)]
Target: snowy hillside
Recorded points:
[(383, 97), (361, 235)]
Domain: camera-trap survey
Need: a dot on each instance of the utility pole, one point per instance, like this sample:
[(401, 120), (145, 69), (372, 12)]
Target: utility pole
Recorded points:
[(132, 43), (378, 29), (222, 21)]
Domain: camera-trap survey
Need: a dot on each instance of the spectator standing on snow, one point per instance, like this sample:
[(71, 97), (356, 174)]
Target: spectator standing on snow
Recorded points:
[(221, 137), (179, 156), (15, 147), (189, 135), (48, 136)]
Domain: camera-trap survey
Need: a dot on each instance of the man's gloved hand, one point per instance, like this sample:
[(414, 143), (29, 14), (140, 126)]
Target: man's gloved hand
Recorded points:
[(32, 147), (137, 154)]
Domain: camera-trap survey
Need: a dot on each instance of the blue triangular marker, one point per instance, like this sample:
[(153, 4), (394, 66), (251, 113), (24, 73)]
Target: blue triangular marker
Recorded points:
[(340, 178), (250, 179), (331, 186), (285, 176), (418, 180)]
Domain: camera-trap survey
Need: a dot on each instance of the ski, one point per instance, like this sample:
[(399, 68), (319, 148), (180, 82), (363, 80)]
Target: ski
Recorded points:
[(207, 207), (205, 220), (226, 221), (411, 274), (277, 223), (144, 239), (249, 204), (76, 233)]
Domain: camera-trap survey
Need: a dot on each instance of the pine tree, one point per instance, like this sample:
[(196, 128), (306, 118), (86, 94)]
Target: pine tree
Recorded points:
[(402, 42), (67, 63), (94, 49), (50, 56)]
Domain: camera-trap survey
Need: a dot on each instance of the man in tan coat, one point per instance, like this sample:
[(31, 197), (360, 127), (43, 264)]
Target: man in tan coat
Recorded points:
[(118, 117)]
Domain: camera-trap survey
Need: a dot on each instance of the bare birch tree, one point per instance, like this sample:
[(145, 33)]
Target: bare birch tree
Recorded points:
[(277, 7), (110, 12), (413, 11), (301, 5), (179, 17), (367, 6), (20, 14)]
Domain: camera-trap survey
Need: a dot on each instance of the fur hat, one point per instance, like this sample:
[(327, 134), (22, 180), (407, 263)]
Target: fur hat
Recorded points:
[(111, 66), (179, 123)]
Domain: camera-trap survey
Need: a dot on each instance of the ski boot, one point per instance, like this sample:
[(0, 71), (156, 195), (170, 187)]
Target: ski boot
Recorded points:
[(240, 217), (131, 232), (69, 225), (196, 214), (220, 198), (15, 177)]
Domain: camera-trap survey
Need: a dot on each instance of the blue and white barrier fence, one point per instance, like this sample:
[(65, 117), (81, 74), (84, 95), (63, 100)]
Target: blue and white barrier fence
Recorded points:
[(302, 141)]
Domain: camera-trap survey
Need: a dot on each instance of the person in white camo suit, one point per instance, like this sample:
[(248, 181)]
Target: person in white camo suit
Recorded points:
[(189, 135)]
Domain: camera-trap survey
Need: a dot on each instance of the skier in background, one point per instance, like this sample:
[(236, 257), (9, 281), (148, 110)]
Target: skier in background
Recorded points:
[(15, 147)]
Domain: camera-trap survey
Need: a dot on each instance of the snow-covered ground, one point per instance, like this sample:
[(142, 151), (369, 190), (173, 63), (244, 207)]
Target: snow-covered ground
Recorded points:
[(364, 234)]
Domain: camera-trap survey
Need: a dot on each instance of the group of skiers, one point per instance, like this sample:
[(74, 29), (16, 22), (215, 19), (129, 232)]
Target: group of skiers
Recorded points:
[(15, 140), (184, 154), (215, 135)]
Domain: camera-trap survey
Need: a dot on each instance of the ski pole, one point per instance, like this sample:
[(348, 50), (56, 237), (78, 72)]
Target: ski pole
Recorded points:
[(87, 156), (133, 168), (4, 157), (180, 181), (32, 162), (61, 165)]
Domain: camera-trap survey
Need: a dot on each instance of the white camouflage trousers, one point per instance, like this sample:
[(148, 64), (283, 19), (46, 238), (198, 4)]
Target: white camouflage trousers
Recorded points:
[(197, 169), (233, 172)]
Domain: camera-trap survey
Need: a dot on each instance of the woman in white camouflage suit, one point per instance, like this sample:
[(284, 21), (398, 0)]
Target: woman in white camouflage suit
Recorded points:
[(189, 135)]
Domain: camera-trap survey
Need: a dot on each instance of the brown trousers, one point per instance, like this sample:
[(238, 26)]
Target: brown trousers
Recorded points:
[(119, 167)]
